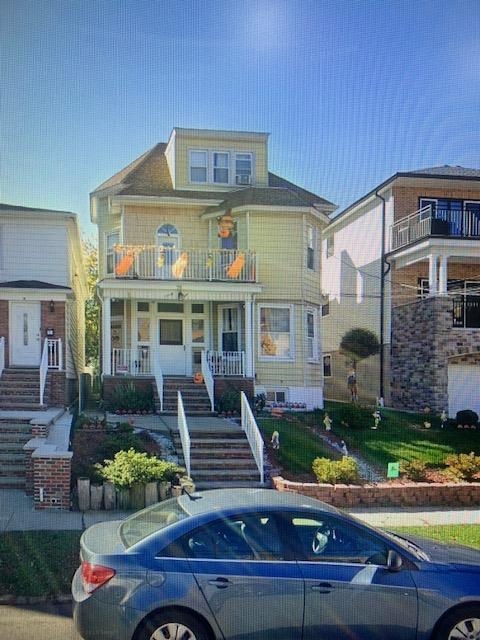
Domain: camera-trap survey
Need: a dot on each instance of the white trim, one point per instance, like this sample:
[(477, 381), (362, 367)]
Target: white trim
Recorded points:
[(171, 200)]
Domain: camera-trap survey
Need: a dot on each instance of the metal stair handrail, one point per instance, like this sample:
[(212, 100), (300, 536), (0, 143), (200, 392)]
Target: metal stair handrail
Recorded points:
[(254, 437), (184, 433)]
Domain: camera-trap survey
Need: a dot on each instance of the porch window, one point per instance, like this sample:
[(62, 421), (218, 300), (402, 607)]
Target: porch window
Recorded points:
[(327, 366), (312, 343), (198, 166), (111, 240), (276, 336)]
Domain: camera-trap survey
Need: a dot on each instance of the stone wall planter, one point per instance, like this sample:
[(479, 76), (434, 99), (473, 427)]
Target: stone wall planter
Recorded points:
[(83, 491), (96, 496), (109, 496)]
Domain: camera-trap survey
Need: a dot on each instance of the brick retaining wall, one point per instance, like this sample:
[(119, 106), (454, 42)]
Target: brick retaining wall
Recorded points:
[(387, 494)]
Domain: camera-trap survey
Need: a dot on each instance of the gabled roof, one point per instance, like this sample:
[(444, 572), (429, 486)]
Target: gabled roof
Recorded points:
[(122, 175), (15, 207)]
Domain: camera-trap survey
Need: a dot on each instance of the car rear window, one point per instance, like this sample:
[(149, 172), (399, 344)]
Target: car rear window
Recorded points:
[(148, 521)]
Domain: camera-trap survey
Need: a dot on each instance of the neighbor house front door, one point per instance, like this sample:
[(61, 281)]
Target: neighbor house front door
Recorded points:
[(25, 343), (172, 350)]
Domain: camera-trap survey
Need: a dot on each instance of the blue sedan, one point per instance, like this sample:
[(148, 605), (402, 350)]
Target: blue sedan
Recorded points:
[(256, 564)]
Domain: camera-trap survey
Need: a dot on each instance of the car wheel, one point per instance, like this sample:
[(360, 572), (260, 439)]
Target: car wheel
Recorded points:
[(172, 625), (461, 624)]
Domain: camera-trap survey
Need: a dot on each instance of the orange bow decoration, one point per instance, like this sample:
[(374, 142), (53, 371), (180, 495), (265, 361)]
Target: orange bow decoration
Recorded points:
[(180, 265), (233, 270), (124, 265)]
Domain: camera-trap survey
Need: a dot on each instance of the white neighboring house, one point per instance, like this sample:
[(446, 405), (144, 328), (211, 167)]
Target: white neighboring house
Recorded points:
[(42, 295), (404, 262)]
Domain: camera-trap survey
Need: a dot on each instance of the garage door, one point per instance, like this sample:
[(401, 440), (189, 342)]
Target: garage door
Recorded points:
[(463, 388)]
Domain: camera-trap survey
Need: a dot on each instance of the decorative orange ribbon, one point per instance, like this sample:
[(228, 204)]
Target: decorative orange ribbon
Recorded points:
[(124, 265), (233, 270)]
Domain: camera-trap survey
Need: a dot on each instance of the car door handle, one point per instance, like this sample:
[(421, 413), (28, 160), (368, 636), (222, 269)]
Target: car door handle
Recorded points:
[(220, 583), (323, 587)]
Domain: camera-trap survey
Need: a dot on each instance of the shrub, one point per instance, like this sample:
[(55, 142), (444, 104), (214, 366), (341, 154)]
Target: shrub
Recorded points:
[(463, 466), (415, 470), (229, 401), (343, 471), (353, 416), (467, 417), (127, 396), (131, 467)]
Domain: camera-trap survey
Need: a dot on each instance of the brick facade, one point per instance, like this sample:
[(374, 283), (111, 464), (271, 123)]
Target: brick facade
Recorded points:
[(423, 344), (407, 198), (51, 478), (387, 494)]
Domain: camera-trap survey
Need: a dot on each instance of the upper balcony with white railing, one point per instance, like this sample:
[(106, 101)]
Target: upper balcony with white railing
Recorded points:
[(205, 265), (428, 222)]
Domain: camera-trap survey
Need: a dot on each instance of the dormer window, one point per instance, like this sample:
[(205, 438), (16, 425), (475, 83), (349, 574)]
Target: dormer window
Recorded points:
[(198, 166), (243, 168), (220, 167)]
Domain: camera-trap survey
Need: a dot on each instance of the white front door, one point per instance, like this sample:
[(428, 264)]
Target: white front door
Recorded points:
[(25, 343), (172, 350)]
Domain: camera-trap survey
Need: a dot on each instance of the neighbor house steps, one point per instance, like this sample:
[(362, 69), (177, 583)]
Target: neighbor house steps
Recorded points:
[(220, 458), (20, 389), (13, 437), (195, 397)]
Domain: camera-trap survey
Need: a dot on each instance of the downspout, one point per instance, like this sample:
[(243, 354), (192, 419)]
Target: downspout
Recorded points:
[(383, 272)]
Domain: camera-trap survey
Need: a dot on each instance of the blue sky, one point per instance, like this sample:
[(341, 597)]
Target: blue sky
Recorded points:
[(350, 91)]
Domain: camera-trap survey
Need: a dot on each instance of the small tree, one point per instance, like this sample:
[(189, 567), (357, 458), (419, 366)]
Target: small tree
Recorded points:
[(359, 344), (92, 312)]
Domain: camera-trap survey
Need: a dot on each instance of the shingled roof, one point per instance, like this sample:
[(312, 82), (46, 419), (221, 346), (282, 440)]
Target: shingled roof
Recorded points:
[(446, 171), (149, 175)]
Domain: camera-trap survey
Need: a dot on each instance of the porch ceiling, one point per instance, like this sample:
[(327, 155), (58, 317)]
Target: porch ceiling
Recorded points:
[(461, 250), (192, 291)]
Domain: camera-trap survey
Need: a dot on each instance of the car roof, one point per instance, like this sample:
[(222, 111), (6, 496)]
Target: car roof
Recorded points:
[(230, 500)]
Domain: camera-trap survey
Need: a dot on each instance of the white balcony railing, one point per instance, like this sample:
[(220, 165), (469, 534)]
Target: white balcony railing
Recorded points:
[(133, 362), (158, 263), (55, 354)]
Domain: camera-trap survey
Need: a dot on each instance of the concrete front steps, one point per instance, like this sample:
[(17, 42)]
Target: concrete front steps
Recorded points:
[(220, 458), (13, 436), (20, 389), (195, 397)]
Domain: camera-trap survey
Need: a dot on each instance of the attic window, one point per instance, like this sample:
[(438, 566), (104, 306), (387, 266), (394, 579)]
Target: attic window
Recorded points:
[(198, 166)]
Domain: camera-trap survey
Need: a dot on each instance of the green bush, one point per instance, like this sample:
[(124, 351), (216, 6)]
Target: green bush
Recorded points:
[(344, 471), (229, 401), (127, 396), (463, 466), (131, 467), (354, 416), (415, 470)]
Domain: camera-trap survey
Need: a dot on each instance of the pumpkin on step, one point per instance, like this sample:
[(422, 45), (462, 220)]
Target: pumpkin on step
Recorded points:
[(198, 378)]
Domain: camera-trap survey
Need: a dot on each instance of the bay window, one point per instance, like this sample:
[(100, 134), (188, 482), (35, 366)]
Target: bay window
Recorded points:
[(276, 332)]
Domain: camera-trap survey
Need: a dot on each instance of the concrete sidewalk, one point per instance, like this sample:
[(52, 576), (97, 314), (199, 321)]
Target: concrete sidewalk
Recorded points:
[(17, 513)]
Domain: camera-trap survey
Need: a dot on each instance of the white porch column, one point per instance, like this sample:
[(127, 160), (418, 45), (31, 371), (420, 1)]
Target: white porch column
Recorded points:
[(248, 338), (442, 277), (432, 275), (106, 338)]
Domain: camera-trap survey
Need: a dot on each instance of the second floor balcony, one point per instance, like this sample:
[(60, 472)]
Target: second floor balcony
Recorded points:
[(160, 263), (427, 222)]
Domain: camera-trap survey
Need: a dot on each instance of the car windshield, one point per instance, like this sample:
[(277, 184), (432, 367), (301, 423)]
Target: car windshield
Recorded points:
[(148, 521), (409, 545)]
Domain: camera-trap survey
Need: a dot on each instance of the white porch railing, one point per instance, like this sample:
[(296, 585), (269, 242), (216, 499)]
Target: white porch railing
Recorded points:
[(43, 370), (2, 354), (55, 354), (208, 380), (134, 362), (183, 431), (157, 372), (226, 363), (159, 263), (254, 437)]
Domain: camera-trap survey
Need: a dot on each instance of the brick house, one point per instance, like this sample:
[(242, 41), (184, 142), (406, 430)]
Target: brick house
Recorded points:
[(415, 283)]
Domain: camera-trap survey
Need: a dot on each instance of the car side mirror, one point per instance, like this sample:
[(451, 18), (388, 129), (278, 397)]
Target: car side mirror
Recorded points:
[(394, 561)]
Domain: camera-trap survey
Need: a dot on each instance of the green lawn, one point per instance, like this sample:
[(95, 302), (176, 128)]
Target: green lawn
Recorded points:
[(38, 563), (42, 563)]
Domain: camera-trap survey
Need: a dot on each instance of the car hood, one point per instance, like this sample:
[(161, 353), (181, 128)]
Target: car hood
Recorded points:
[(100, 539), (454, 554)]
